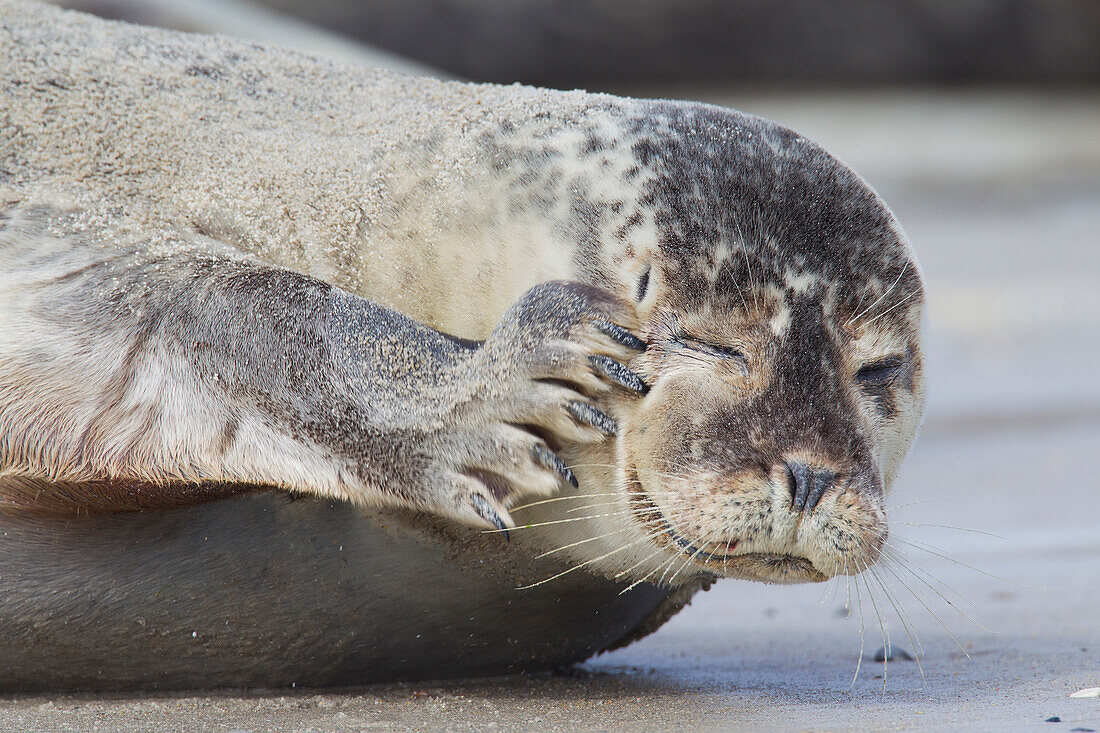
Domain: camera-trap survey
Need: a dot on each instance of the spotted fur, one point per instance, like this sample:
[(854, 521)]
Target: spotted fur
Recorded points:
[(293, 290)]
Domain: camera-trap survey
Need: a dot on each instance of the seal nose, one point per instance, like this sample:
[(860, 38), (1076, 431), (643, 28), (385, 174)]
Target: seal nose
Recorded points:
[(807, 484)]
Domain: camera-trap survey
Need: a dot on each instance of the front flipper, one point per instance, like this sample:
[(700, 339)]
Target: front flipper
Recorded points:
[(155, 375), (537, 383)]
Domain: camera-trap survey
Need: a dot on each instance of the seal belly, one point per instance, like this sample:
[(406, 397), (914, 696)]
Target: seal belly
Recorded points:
[(265, 591)]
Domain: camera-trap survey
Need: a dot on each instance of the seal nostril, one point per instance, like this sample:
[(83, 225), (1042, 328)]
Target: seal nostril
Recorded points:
[(807, 485), (798, 474), (823, 478)]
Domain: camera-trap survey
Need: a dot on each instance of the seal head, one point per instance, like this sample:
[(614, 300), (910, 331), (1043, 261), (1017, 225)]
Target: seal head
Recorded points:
[(783, 311)]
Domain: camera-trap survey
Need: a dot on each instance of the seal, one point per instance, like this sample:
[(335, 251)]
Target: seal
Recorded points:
[(656, 341)]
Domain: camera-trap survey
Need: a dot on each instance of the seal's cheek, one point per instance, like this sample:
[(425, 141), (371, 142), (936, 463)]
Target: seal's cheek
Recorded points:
[(668, 429)]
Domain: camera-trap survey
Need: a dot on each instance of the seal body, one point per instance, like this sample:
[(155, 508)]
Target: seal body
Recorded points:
[(232, 271)]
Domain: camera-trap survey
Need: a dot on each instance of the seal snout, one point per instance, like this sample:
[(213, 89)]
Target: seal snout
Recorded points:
[(808, 483)]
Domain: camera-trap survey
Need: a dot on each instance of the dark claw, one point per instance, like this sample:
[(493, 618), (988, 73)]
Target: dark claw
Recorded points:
[(551, 461), (620, 334), (489, 514), (618, 373), (596, 418)]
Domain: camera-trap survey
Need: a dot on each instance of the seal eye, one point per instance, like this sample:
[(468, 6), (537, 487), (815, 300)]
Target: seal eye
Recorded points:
[(643, 286), (717, 350), (725, 352), (879, 373)]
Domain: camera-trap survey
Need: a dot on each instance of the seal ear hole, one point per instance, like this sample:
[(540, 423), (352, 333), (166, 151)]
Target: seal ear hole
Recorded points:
[(643, 285)]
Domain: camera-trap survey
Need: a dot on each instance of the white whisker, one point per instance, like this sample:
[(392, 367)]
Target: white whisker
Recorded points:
[(862, 628), (581, 542), (940, 553), (881, 297), (916, 573), (910, 633), (895, 305), (580, 565), (925, 605), (948, 526)]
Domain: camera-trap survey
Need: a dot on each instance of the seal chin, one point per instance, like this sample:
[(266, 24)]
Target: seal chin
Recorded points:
[(768, 568)]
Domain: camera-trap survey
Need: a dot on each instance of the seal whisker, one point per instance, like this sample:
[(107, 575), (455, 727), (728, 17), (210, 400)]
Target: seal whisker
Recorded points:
[(910, 632), (938, 552), (667, 567), (895, 507), (570, 498), (882, 630), (580, 565), (899, 609), (889, 569), (680, 468), (748, 266), (645, 577), (895, 305), (645, 559), (675, 465), (881, 297), (700, 543), (859, 303), (657, 551), (916, 572), (862, 628), (554, 521), (833, 586), (644, 512), (928, 578), (948, 526), (581, 542), (631, 587), (847, 587), (596, 506)]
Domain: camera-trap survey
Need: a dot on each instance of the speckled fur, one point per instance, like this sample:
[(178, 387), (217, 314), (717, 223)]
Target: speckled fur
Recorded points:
[(260, 292)]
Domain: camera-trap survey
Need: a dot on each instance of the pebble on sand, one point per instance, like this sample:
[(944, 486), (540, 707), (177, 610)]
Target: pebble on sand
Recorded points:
[(894, 654)]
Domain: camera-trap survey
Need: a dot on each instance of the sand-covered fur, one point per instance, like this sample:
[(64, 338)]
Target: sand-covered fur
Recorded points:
[(214, 352), (228, 264)]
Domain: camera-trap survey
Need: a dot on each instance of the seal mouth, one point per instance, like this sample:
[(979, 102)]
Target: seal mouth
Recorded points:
[(762, 566)]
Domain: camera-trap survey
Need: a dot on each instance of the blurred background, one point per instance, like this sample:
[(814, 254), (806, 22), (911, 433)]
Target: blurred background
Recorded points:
[(979, 122)]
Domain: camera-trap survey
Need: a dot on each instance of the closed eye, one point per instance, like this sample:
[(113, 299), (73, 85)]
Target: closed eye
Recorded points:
[(881, 372), (716, 350), (643, 286)]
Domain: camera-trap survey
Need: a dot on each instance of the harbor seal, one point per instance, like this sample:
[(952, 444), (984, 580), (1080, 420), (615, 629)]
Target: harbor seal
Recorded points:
[(682, 341)]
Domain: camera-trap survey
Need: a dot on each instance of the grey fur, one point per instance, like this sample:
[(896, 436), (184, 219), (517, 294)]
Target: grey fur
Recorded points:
[(225, 268)]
